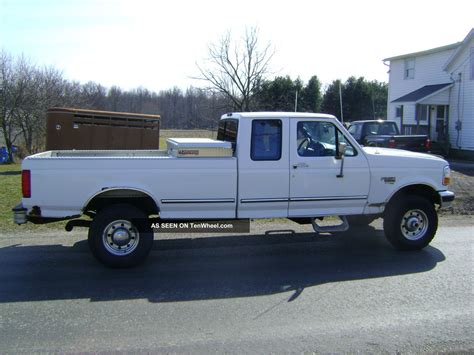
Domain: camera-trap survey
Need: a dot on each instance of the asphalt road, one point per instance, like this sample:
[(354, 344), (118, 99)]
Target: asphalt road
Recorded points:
[(256, 293)]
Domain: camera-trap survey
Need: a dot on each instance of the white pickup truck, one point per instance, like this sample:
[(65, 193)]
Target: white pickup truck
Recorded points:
[(299, 166)]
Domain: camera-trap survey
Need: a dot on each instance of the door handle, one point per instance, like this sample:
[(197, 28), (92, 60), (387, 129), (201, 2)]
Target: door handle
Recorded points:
[(300, 165)]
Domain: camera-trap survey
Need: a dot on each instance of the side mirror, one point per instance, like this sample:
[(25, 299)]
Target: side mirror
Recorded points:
[(341, 150)]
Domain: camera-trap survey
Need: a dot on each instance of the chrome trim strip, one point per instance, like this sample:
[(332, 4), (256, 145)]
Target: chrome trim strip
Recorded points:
[(217, 200), (329, 198), (303, 199), (258, 200)]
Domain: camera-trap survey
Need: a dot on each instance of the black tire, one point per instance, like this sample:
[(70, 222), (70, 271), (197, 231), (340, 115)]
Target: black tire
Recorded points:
[(129, 241), (410, 222), (361, 220)]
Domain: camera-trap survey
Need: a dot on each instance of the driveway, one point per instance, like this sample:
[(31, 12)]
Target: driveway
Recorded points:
[(283, 292)]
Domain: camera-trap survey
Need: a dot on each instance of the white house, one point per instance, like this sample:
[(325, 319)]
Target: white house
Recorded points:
[(432, 92)]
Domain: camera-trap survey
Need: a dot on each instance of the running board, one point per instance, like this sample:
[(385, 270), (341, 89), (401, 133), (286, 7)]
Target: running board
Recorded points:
[(344, 226)]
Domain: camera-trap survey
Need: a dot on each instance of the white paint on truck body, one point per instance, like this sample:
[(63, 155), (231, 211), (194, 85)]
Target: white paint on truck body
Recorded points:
[(234, 187)]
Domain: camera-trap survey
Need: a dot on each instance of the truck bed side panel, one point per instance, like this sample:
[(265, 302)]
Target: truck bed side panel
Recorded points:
[(181, 187)]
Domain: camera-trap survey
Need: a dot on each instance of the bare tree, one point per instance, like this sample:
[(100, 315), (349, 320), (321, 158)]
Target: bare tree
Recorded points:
[(13, 88), (44, 89), (236, 69)]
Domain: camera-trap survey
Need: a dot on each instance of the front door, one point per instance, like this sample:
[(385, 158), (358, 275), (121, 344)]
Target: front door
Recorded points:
[(440, 127), (315, 188)]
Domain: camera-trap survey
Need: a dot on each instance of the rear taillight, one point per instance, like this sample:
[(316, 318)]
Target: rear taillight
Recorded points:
[(392, 143), (427, 144), (26, 183)]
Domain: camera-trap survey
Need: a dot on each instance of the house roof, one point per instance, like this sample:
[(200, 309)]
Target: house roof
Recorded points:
[(425, 52), (460, 48), (423, 92)]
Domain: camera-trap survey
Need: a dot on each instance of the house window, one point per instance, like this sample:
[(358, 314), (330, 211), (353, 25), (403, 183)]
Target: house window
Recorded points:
[(409, 68), (422, 112), (399, 111)]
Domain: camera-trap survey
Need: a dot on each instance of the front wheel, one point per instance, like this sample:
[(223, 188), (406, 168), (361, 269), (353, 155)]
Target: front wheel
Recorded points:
[(410, 222), (119, 236)]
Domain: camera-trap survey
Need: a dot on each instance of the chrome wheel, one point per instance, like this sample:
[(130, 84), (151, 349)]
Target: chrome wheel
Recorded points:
[(414, 224), (120, 237)]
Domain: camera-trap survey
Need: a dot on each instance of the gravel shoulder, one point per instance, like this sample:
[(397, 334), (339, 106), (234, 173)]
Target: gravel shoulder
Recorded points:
[(463, 186)]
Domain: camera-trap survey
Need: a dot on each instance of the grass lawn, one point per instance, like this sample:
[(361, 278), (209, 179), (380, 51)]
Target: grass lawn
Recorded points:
[(10, 192)]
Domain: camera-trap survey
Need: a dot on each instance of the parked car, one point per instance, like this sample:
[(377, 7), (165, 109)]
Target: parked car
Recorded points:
[(380, 133), (263, 165)]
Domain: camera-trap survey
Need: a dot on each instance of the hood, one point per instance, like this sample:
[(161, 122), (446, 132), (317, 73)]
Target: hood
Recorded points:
[(379, 157)]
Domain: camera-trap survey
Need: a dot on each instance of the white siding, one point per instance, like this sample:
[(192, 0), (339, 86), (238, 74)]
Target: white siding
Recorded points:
[(462, 101), (441, 98), (427, 72), (409, 114)]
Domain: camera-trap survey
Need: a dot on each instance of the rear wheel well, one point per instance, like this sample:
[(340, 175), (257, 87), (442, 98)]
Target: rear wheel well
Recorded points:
[(136, 198), (417, 190)]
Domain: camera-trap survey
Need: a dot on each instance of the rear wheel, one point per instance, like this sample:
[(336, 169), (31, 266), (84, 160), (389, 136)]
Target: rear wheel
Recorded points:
[(119, 236), (410, 222)]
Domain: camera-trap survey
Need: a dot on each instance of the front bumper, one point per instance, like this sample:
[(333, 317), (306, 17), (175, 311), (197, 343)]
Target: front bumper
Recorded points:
[(446, 198)]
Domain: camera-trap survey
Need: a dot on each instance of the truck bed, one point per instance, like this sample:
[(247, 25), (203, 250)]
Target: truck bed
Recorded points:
[(177, 184), (103, 154)]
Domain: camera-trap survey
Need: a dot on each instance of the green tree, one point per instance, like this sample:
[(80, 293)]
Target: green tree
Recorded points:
[(280, 93), (310, 99), (361, 99), (330, 103), (277, 94)]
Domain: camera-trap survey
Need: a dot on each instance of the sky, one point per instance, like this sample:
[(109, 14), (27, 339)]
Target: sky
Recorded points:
[(156, 44)]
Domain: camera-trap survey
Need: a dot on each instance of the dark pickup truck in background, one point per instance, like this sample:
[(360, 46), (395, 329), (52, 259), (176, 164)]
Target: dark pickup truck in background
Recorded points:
[(380, 133)]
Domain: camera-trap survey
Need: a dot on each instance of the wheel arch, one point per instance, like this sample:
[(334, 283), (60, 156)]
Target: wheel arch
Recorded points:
[(423, 190), (133, 196)]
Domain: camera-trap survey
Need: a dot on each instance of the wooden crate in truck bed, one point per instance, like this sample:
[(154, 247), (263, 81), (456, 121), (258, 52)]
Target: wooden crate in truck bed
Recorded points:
[(70, 128)]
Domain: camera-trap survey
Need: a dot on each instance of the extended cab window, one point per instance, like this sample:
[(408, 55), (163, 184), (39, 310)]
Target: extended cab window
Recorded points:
[(227, 131), (320, 139), (266, 140)]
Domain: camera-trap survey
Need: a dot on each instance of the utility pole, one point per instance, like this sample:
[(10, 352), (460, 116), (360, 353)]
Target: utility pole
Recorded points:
[(296, 101), (340, 102)]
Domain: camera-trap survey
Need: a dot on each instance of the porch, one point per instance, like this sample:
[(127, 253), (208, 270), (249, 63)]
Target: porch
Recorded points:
[(426, 111)]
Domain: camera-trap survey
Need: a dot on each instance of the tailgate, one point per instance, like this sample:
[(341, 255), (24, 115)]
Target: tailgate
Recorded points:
[(416, 143)]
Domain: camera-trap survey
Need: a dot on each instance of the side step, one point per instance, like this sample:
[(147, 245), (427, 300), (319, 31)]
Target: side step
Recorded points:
[(344, 226)]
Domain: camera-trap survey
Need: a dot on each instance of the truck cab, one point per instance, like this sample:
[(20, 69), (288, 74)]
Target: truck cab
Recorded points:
[(289, 165)]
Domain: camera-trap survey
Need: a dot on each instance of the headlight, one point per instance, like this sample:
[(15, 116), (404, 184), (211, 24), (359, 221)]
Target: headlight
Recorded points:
[(446, 175)]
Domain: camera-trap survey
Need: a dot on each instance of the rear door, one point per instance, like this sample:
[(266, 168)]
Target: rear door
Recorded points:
[(315, 188)]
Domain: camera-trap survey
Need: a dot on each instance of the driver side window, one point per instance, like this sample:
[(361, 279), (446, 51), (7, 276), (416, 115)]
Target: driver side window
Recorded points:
[(320, 139)]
